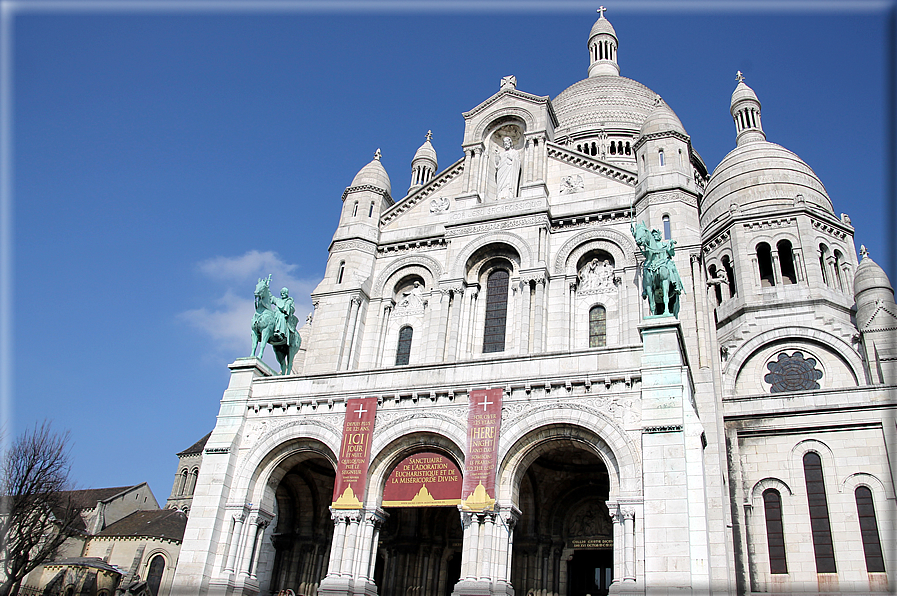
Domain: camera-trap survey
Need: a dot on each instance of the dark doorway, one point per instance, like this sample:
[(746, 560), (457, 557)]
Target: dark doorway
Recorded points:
[(304, 529), (419, 551), (590, 572)]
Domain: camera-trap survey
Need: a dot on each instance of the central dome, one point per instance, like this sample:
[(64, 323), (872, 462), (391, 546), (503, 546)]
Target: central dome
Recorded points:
[(603, 102)]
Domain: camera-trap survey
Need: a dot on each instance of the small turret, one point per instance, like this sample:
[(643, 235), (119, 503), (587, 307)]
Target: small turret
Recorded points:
[(876, 319), (603, 47), (745, 110), (424, 164)]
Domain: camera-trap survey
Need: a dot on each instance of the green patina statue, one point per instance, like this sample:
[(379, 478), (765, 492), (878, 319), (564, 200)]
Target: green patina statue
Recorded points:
[(275, 322), (661, 283)]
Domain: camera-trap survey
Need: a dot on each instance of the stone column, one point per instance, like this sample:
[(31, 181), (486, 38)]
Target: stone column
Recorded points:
[(442, 327), (508, 518), (466, 348), (470, 546), (234, 542), (524, 316), (700, 298), (353, 521), (349, 340), (538, 316), (457, 306), (776, 267), (384, 326), (529, 167), (486, 522), (628, 543), (260, 526)]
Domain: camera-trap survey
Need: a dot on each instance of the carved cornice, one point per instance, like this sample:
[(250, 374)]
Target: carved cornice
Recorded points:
[(590, 163), (529, 97), (669, 197), (716, 241), (669, 428), (423, 192), (829, 229), (413, 245), (766, 224), (494, 226), (592, 220), (370, 188), (362, 245), (660, 135)]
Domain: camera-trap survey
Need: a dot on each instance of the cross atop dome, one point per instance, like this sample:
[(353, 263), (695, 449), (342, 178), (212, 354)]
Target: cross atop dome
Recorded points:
[(601, 10), (377, 154), (863, 252), (739, 77), (429, 135)]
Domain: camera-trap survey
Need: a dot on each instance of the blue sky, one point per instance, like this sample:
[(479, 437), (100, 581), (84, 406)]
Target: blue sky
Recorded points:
[(164, 159)]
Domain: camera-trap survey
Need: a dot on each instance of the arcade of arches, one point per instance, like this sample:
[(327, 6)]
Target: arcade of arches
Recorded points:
[(562, 545)]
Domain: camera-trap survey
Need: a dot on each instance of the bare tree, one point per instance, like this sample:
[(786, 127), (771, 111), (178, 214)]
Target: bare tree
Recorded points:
[(36, 512)]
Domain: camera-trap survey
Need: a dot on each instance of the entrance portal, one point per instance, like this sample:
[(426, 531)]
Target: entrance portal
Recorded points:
[(565, 532), (420, 551), (590, 572), (304, 529)]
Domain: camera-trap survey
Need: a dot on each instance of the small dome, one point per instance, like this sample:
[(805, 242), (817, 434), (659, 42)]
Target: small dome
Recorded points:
[(426, 152), (761, 177), (869, 276), (373, 174), (602, 25), (662, 119), (741, 93)]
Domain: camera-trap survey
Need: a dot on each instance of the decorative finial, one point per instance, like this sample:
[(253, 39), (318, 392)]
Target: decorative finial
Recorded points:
[(377, 154), (509, 81), (863, 252), (739, 77), (658, 100), (429, 134), (601, 10)]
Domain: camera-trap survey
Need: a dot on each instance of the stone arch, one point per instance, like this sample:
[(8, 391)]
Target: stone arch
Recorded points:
[(422, 265), (502, 116), (809, 335), (283, 446), (459, 269), (618, 245), (398, 445), (522, 444), (871, 481), (762, 485)]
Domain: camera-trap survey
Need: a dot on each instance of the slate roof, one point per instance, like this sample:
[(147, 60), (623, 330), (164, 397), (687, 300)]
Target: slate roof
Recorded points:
[(88, 498), (93, 562), (196, 447), (159, 523)]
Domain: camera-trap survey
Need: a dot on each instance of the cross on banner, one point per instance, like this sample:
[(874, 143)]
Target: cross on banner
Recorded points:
[(486, 402), (360, 410)]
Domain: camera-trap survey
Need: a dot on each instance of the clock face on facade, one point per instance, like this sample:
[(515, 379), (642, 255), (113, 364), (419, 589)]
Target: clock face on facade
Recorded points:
[(792, 373)]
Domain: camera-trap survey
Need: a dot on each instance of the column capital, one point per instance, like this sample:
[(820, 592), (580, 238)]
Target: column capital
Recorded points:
[(345, 516)]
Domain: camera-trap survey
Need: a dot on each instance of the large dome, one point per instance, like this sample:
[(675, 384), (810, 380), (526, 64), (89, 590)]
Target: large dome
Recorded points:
[(760, 177), (606, 101)]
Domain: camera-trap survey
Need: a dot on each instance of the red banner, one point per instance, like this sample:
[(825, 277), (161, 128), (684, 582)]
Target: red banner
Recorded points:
[(354, 453), (423, 480), (481, 459)]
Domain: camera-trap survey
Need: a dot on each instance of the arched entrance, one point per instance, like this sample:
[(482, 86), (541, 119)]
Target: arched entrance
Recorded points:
[(563, 542), (420, 543), (303, 529)]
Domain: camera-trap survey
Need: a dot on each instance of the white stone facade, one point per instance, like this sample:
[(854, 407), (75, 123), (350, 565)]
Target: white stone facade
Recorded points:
[(634, 452)]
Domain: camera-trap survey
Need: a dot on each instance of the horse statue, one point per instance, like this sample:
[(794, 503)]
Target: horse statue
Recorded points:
[(661, 283), (274, 323)]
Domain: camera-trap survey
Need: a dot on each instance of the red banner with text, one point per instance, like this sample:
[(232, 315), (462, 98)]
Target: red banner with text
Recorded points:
[(354, 453), (481, 459), (423, 480)]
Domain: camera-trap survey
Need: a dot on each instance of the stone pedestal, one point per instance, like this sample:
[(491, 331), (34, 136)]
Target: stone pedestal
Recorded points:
[(675, 519)]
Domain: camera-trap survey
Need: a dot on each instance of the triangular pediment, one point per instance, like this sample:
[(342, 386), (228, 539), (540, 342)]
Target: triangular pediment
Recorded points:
[(509, 95), (423, 194), (591, 164)]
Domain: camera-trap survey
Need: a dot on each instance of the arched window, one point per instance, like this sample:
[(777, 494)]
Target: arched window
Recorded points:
[(371, 210), (823, 255), (764, 263), (660, 156), (667, 233), (839, 283), (730, 274), (496, 311), (597, 327), (775, 532), (355, 209), (819, 519), (182, 483), (339, 274), (786, 262), (718, 292), (875, 561), (628, 149), (594, 149), (403, 350), (194, 476), (613, 148), (154, 574)]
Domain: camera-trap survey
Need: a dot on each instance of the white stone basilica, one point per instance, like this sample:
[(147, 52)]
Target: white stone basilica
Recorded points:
[(739, 447)]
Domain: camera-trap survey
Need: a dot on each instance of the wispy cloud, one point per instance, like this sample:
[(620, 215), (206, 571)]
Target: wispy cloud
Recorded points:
[(227, 318)]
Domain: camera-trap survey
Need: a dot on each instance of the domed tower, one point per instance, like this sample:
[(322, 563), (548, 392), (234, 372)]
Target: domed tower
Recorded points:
[(423, 165), (666, 176), (778, 262), (603, 48), (347, 278), (876, 319)]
